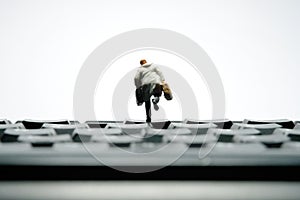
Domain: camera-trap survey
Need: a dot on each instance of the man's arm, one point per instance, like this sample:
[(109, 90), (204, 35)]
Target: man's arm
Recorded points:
[(160, 74), (137, 79)]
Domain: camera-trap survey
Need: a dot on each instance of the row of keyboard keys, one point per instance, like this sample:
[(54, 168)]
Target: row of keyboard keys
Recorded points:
[(284, 123), (224, 124), (192, 140), (42, 141), (86, 135), (4, 121), (227, 135), (193, 133), (293, 134), (37, 124), (271, 141), (65, 128), (159, 124), (265, 129), (197, 129), (12, 135)]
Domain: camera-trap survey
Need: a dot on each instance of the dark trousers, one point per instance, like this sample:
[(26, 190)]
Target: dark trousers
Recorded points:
[(157, 92), (148, 110)]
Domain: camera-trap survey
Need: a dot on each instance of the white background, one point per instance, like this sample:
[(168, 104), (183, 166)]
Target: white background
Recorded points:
[(255, 45)]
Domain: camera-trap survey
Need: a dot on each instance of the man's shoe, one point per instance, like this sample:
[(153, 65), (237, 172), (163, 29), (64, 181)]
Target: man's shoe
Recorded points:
[(155, 100), (156, 107)]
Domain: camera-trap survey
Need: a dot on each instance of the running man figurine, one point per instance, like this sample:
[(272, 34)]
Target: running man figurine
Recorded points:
[(149, 80)]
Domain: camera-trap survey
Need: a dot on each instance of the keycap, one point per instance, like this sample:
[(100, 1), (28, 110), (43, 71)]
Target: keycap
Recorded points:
[(221, 123), (36, 124), (157, 135), (73, 122), (193, 140), (226, 135), (157, 124), (196, 129), (4, 121), (85, 135), (100, 124), (160, 124), (130, 128), (120, 141), (96, 124), (175, 131), (11, 135), (65, 128), (44, 141), (265, 129), (4, 127), (131, 121), (293, 134), (271, 141), (284, 123), (225, 150), (297, 126)]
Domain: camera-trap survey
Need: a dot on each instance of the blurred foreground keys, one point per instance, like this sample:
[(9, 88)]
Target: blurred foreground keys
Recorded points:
[(12, 135)]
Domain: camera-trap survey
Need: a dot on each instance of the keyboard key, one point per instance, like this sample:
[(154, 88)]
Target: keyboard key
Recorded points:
[(129, 121), (226, 135), (153, 138), (196, 129), (193, 140), (284, 123), (4, 121), (271, 141), (265, 129), (11, 135), (297, 126), (73, 122), (96, 124), (157, 124), (295, 146), (85, 135), (65, 128), (244, 149), (44, 141), (160, 124), (37, 124), (221, 123), (3, 127), (157, 135), (100, 124), (130, 128), (120, 141), (175, 131), (293, 134)]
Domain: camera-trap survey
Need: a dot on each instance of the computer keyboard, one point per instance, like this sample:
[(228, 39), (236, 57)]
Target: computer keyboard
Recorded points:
[(208, 150)]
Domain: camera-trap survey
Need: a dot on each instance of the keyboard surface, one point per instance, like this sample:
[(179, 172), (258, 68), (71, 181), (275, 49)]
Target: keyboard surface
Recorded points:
[(263, 150)]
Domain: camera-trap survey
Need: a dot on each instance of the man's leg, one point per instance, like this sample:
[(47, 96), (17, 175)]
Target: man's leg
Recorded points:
[(148, 110), (157, 92)]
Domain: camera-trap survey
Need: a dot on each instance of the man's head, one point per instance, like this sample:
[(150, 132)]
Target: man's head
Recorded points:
[(143, 61)]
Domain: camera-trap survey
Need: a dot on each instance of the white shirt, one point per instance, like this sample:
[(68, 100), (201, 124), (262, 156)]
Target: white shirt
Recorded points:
[(148, 73)]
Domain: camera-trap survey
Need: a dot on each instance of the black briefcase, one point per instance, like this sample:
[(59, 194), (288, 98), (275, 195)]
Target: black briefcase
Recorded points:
[(139, 96)]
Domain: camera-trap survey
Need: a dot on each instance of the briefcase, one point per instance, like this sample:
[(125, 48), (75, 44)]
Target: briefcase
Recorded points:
[(167, 92), (139, 96)]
